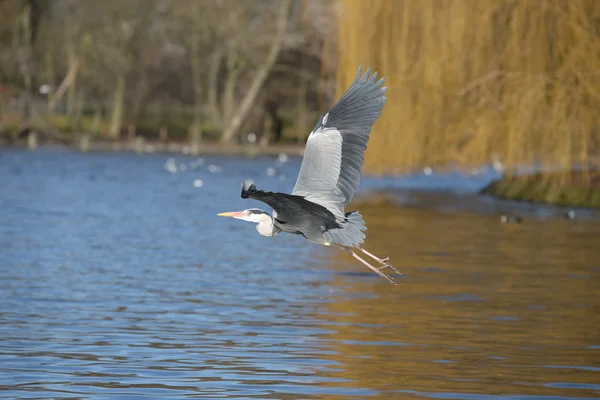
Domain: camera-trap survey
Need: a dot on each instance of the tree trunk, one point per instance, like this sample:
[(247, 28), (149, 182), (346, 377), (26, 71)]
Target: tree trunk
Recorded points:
[(213, 88), (117, 111), (233, 71), (195, 131), (65, 84), (25, 57), (50, 74), (302, 123), (13, 68), (25, 60), (95, 128), (140, 96), (77, 113), (241, 115), (72, 90)]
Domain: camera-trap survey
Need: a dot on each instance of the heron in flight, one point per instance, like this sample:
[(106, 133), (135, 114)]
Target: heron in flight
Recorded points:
[(328, 178)]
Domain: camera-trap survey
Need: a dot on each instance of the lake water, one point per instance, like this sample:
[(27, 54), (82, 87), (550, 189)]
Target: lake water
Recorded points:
[(118, 280)]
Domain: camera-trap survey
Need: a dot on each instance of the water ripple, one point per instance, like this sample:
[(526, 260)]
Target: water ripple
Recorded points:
[(117, 280)]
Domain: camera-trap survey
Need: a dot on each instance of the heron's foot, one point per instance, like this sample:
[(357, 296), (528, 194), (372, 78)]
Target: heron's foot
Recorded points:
[(390, 266), (372, 268), (383, 261), (382, 274), (385, 275)]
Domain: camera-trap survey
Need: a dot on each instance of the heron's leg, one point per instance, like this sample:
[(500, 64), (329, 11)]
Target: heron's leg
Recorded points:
[(374, 257), (382, 261), (376, 270)]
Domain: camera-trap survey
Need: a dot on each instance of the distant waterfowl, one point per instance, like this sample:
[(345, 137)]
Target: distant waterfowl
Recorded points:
[(570, 214), (507, 219)]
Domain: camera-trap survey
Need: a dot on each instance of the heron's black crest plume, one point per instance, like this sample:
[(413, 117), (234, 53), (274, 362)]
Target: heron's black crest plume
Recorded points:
[(247, 189)]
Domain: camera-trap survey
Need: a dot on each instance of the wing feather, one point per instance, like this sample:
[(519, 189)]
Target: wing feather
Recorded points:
[(334, 155)]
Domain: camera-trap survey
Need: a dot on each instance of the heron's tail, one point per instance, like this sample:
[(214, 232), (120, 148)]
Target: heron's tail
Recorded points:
[(351, 233)]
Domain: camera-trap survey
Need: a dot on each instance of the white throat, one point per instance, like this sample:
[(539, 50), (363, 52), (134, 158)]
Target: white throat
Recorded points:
[(266, 227)]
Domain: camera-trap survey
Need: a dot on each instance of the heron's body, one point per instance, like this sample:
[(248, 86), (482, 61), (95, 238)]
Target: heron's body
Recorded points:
[(295, 214), (328, 178)]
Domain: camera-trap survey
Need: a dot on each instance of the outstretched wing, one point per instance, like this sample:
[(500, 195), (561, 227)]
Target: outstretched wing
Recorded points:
[(334, 154)]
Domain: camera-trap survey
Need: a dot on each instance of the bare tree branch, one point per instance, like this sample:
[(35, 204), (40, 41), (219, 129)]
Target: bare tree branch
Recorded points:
[(261, 74)]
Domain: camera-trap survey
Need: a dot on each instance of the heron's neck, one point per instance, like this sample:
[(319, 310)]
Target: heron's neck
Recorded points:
[(266, 227)]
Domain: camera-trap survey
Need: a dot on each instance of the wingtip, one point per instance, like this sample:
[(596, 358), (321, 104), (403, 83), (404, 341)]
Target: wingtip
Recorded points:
[(373, 77), (359, 73), (368, 76)]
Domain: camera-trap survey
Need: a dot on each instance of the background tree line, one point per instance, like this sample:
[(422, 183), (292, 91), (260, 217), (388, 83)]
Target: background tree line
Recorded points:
[(470, 81), (194, 67), (473, 81)]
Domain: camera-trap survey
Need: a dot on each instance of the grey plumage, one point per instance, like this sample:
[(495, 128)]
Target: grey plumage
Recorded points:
[(329, 175), (294, 214), (339, 141), (334, 156)]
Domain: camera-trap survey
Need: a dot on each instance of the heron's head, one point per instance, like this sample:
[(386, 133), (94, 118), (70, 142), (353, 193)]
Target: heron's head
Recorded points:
[(251, 214)]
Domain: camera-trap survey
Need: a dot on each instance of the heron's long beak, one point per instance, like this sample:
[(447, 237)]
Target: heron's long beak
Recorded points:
[(231, 214)]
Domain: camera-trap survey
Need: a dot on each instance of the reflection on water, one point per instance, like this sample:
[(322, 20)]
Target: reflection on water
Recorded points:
[(482, 308), (117, 279)]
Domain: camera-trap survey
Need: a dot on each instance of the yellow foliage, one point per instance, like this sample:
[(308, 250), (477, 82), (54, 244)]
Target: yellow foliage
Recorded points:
[(471, 79)]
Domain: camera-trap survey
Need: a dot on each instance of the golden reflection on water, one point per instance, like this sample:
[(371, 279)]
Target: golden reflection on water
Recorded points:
[(483, 307)]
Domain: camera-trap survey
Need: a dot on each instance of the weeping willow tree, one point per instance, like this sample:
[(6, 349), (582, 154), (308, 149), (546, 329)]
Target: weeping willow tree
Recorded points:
[(470, 80)]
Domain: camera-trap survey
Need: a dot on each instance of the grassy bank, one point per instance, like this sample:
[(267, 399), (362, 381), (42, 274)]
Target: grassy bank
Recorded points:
[(576, 189)]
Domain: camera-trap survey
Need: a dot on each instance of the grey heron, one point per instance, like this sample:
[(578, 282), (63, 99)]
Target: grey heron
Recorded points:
[(329, 176)]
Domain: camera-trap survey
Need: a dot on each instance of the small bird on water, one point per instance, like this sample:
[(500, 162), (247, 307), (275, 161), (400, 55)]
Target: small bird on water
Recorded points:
[(511, 219), (328, 179)]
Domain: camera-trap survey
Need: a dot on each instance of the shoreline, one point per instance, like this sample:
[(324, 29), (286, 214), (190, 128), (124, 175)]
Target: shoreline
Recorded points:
[(470, 204), (539, 188), (143, 146), (545, 188)]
